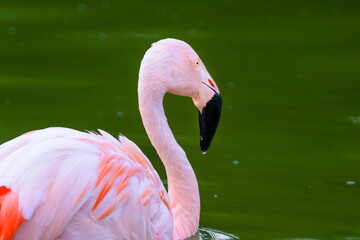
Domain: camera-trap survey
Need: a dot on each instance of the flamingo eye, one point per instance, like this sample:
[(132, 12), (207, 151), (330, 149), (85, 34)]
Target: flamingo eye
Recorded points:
[(197, 63)]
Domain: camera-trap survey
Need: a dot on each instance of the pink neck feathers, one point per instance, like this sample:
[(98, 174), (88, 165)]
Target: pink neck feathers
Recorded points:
[(182, 183)]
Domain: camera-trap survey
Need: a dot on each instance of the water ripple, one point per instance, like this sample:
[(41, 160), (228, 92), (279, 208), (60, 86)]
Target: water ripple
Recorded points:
[(212, 234)]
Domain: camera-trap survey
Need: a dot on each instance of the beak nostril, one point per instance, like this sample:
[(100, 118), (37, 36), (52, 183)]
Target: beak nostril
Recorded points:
[(211, 83)]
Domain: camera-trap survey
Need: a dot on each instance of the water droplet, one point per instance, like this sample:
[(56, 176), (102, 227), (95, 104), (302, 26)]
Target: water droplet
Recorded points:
[(161, 9), (7, 14), (351, 238), (193, 32), (299, 76), (105, 5), (200, 23), (355, 120), (256, 53), (102, 36), (203, 152), (65, 20), (143, 35), (81, 7), (215, 196), (300, 239), (175, 17), (230, 84), (303, 13), (11, 30), (334, 11), (350, 182), (119, 114), (235, 162)]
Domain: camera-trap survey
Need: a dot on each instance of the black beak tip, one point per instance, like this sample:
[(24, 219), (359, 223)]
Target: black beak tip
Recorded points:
[(204, 147), (209, 120)]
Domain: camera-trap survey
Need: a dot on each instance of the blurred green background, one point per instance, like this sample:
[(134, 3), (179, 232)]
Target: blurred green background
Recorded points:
[(285, 162)]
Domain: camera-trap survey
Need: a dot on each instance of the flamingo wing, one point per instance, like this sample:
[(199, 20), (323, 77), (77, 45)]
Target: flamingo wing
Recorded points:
[(59, 183)]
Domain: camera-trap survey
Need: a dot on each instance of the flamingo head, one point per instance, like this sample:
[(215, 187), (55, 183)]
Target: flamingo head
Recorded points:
[(180, 71)]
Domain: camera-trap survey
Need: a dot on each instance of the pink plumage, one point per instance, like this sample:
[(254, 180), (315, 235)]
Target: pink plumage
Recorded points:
[(59, 183)]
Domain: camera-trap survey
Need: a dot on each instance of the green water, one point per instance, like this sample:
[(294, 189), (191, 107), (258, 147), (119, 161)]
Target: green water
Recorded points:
[(285, 161)]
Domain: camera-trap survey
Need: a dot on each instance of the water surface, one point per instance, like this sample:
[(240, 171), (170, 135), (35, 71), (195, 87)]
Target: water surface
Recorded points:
[(285, 162)]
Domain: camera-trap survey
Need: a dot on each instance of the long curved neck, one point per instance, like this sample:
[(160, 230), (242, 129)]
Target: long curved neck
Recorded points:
[(182, 183)]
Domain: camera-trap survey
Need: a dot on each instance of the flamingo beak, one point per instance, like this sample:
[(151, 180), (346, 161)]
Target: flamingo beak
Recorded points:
[(208, 121)]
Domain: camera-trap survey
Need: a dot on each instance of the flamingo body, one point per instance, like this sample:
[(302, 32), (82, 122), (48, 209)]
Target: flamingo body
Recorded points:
[(83, 182)]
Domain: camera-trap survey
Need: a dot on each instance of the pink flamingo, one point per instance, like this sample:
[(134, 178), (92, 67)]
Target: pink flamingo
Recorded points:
[(59, 183)]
